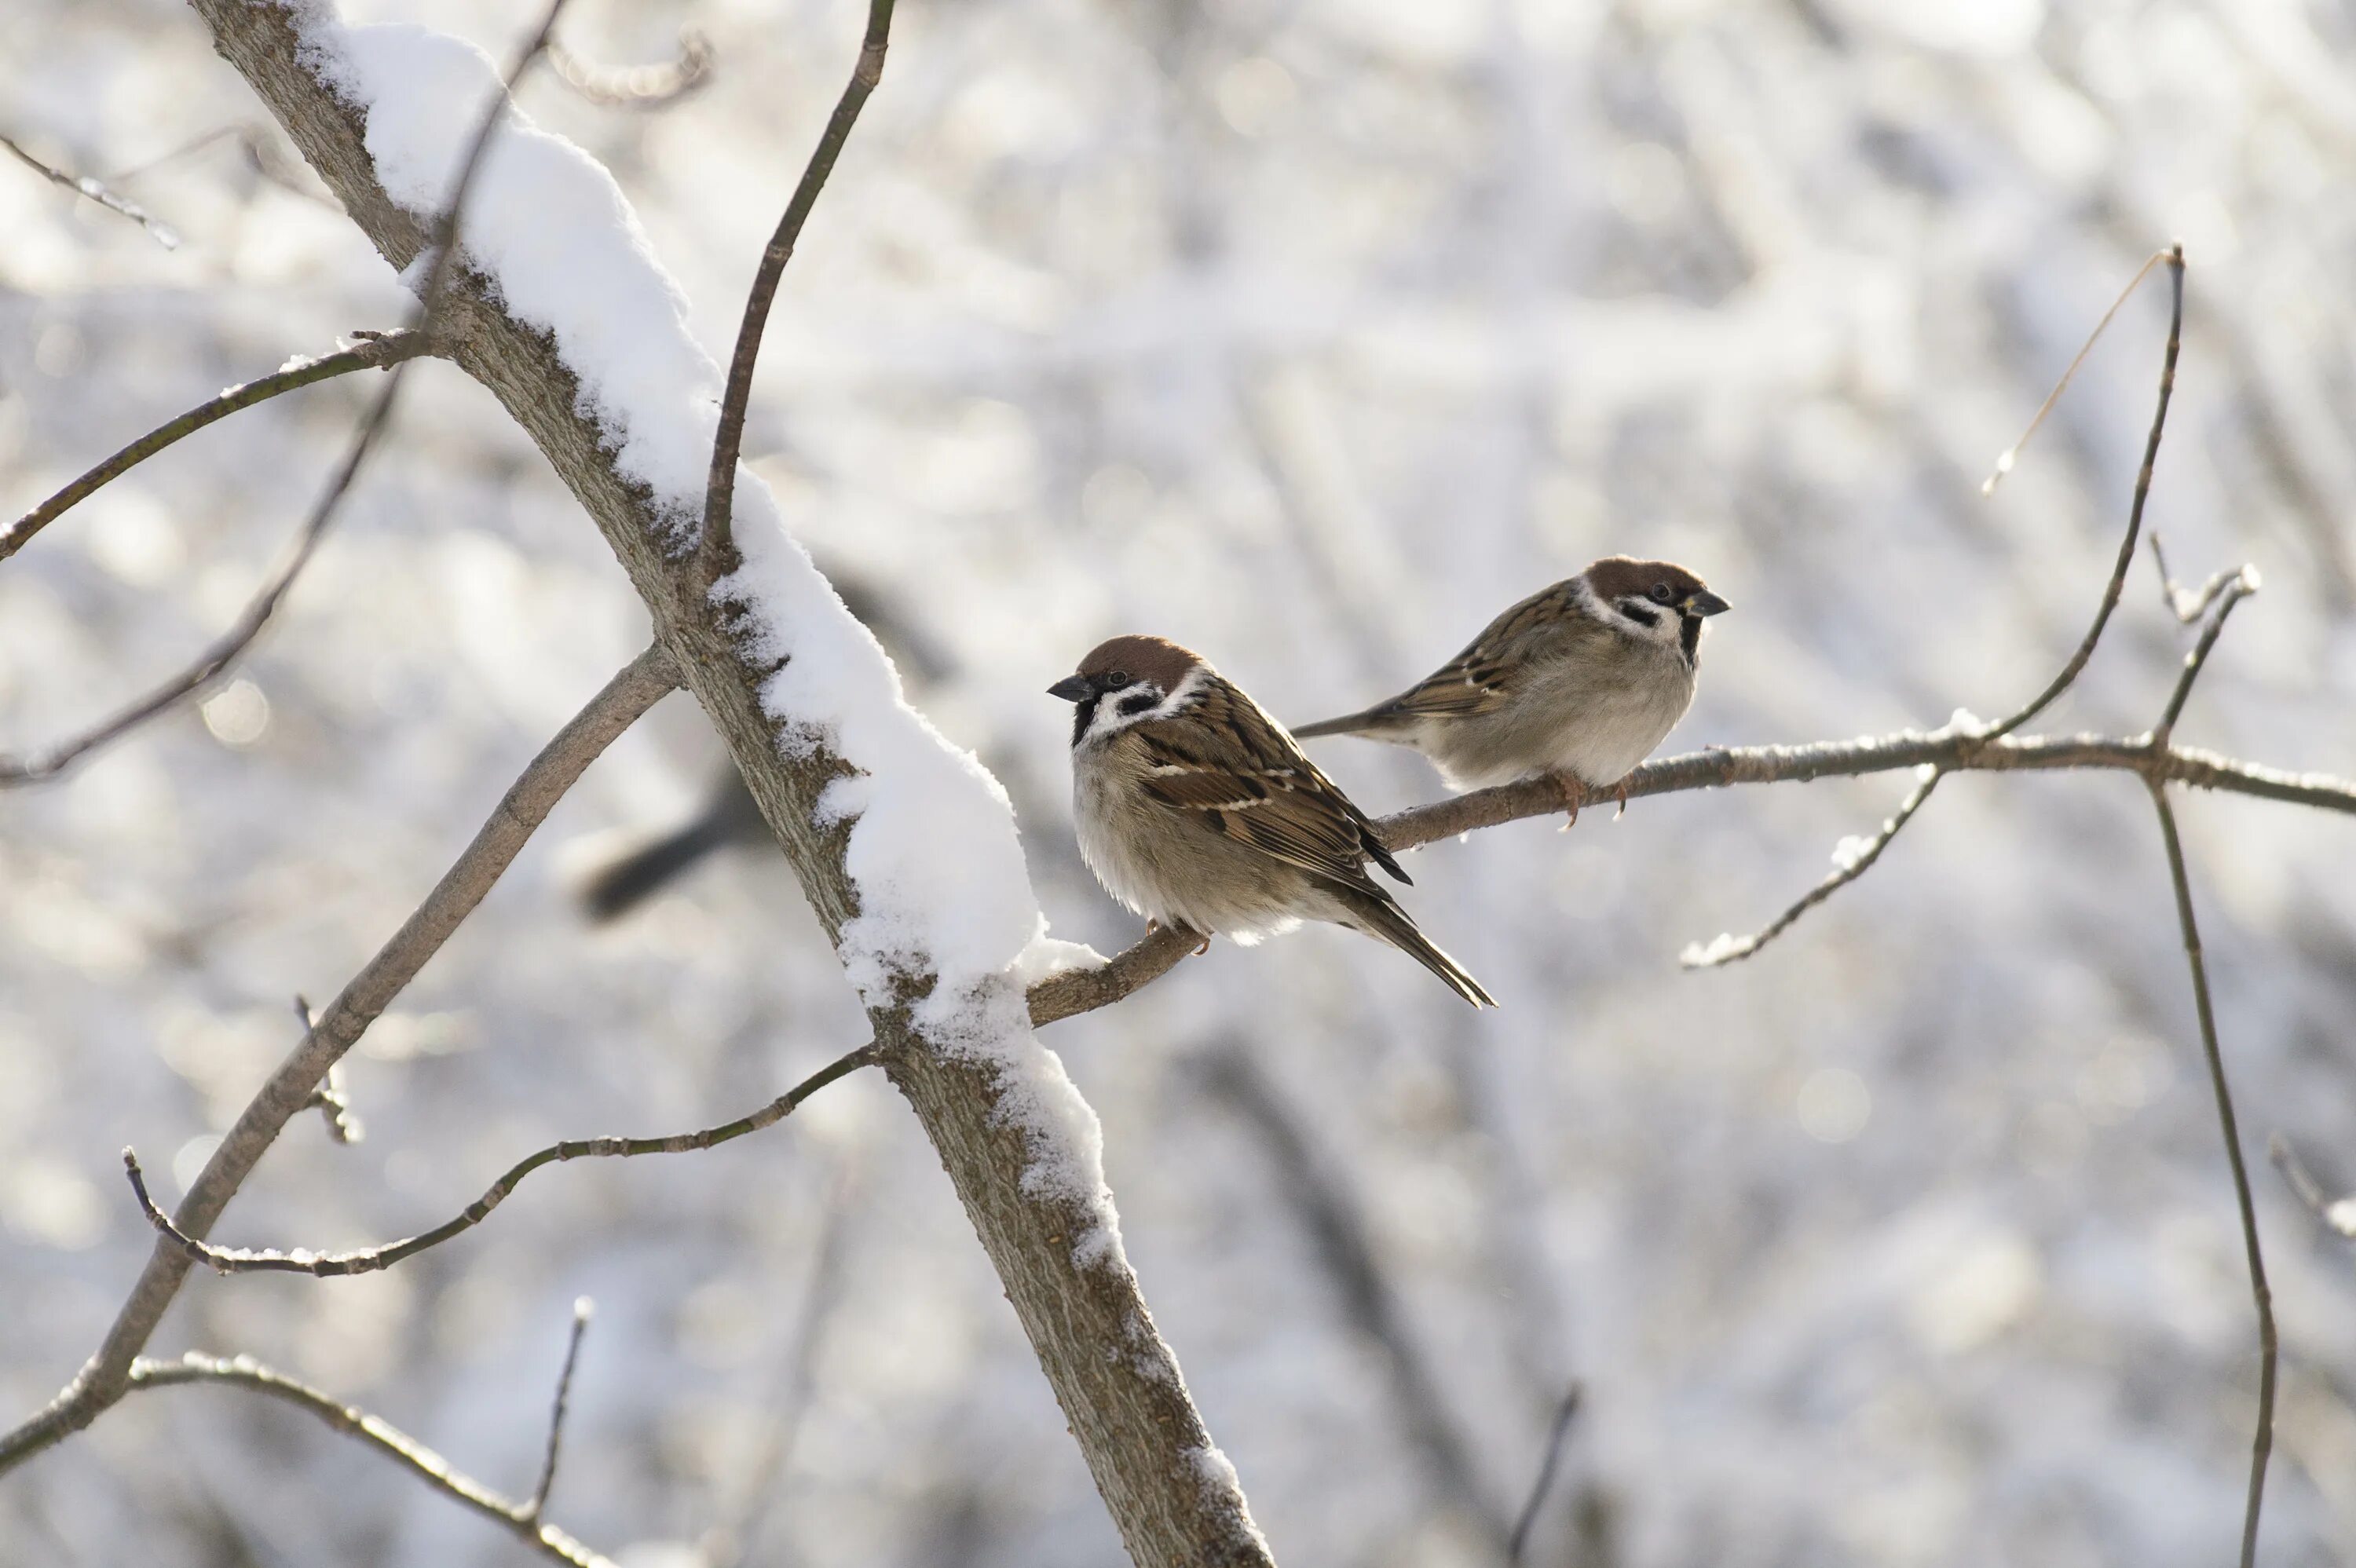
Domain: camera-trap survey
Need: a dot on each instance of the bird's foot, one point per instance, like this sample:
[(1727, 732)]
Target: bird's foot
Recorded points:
[(1574, 792), (1621, 795)]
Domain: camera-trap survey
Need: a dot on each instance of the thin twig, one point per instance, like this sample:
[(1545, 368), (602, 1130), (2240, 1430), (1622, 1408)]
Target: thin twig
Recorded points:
[(1556, 1437), (2174, 256), (224, 651), (1851, 860), (2262, 1444), (90, 189), (639, 686), (369, 1259), (582, 1309), (243, 1372), (716, 546), (2187, 604), (376, 351), (2238, 587), (2012, 455), (2338, 1213), (1084, 990), (636, 87)]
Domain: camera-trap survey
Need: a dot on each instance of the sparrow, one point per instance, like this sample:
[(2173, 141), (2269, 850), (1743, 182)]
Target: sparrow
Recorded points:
[(1579, 681), (1196, 809)]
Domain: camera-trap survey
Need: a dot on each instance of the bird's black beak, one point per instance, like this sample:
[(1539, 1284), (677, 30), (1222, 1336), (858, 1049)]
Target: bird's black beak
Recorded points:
[(1702, 601), (1072, 688)]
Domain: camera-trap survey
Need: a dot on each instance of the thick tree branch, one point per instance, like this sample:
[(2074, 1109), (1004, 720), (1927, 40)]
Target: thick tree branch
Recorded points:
[(519, 1520), (375, 351), (1172, 1498), (102, 1381), (369, 1260), (716, 549)]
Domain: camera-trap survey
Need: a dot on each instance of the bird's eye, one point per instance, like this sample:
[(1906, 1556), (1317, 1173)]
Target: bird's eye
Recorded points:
[(1661, 592), (1116, 680)]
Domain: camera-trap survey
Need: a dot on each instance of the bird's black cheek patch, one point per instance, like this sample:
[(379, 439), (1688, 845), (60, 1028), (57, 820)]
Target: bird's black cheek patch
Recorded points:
[(1643, 615), (1140, 702)]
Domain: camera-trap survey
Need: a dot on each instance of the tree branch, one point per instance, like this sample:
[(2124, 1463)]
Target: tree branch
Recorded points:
[(375, 351), (716, 549), (519, 1520), (102, 1381), (369, 1259), (1517, 1545), (2236, 588), (2262, 1444), (537, 1504), (90, 189), (1949, 750)]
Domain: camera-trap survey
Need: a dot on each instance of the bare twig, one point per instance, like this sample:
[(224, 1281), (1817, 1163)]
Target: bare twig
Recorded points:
[(1557, 1436), (582, 1308), (2012, 455), (369, 1260), (243, 1372), (716, 548), (2262, 1443), (102, 1380), (1085, 990), (2174, 256), (2187, 604), (224, 651), (376, 351), (2237, 587), (2338, 1213), (636, 87), (1851, 860), (90, 189)]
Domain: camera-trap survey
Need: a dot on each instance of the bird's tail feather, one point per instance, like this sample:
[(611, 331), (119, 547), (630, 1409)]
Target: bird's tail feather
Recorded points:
[(1375, 723), (1378, 916)]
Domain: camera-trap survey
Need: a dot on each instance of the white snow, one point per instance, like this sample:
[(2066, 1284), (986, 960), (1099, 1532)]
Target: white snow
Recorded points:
[(1851, 852), (1718, 950), (942, 885)]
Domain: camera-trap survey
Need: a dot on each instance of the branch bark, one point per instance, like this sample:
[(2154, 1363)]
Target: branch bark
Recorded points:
[(1173, 1497)]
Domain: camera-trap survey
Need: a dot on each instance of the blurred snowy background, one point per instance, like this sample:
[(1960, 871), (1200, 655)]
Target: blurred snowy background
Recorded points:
[(1310, 333)]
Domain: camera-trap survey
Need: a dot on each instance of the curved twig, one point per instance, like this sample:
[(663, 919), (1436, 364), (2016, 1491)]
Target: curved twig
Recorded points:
[(375, 351), (715, 547), (90, 189), (244, 1372), (642, 683), (369, 1259)]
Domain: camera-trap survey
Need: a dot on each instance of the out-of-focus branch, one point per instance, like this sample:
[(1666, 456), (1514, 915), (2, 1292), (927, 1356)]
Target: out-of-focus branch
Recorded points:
[(102, 1382), (90, 189), (369, 1260), (2237, 587), (1339, 1238), (2338, 1213), (2262, 1445), (636, 87), (1557, 1437), (520, 1519), (344, 1123), (716, 549), (2188, 604), (375, 351)]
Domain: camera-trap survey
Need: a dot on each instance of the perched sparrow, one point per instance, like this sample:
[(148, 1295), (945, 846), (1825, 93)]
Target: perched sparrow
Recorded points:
[(1579, 680), (1196, 809)]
